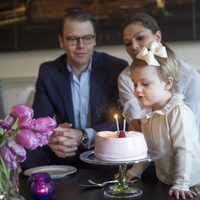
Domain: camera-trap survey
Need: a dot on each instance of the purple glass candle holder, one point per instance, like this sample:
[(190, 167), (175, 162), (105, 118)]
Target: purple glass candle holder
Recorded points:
[(41, 186), (41, 177)]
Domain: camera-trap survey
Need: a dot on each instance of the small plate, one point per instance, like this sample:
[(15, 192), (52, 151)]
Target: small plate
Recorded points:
[(55, 171)]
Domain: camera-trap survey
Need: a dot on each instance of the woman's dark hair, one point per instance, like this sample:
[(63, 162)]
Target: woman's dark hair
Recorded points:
[(77, 15), (146, 20)]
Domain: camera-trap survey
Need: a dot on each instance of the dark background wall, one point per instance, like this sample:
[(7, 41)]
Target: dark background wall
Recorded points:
[(32, 24)]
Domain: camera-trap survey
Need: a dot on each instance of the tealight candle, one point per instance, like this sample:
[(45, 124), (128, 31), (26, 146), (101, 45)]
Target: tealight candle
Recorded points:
[(41, 186), (43, 191), (117, 123)]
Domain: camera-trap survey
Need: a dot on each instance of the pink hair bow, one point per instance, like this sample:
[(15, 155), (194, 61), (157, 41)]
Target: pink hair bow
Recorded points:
[(155, 48)]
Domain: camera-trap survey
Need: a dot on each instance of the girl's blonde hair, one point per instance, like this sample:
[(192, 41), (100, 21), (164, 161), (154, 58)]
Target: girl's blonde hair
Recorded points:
[(168, 68)]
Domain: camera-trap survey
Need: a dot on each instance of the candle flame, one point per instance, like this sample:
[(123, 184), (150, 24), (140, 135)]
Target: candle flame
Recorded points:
[(43, 189), (117, 123)]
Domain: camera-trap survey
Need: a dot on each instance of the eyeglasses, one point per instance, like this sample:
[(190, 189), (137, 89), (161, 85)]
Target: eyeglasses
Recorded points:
[(73, 40)]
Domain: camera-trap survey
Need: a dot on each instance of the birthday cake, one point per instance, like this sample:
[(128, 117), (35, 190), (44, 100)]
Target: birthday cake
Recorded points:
[(110, 147)]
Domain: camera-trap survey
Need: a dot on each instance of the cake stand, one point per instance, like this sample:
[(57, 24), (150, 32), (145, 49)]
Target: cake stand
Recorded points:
[(123, 189)]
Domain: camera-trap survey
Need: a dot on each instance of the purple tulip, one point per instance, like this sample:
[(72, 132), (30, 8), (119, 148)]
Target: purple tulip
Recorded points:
[(9, 158), (28, 139), (44, 125), (8, 123), (4, 124), (13, 153), (22, 111)]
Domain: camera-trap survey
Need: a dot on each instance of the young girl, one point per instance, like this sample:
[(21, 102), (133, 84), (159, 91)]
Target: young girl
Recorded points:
[(168, 124)]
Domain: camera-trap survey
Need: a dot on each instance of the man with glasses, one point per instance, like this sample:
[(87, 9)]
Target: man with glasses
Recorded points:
[(79, 89)]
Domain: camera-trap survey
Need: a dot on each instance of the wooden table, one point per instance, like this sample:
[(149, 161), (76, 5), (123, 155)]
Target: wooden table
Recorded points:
[(68, 187)]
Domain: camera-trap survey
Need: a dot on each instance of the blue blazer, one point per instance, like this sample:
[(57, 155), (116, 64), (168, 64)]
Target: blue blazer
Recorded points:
[(53, 90), (53, 96)]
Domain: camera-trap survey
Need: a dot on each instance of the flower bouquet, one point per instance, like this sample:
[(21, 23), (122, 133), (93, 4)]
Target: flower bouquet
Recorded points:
[(18, 132)]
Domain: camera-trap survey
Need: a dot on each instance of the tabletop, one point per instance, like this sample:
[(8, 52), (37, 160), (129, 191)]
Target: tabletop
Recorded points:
[(68, 188)]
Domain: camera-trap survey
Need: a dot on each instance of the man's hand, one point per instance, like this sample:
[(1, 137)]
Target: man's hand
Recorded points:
[(65, 140)]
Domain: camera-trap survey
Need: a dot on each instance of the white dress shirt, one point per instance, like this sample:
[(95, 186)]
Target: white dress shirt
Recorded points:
[(80, 88)]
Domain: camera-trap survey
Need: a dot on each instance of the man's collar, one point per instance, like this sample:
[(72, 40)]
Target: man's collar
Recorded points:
[(87, 69)]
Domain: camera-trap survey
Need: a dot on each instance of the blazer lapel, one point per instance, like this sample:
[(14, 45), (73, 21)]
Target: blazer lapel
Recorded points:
[(65, 91), (97, 81)]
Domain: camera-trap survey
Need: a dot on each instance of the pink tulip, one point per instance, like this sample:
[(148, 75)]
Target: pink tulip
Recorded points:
[(44, 125), (22, 111), (13, 153), (43, 139), (26, 123), (27, 133), (27, 138)]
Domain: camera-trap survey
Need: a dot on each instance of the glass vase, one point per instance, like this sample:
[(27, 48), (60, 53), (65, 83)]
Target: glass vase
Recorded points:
[(9, 182)]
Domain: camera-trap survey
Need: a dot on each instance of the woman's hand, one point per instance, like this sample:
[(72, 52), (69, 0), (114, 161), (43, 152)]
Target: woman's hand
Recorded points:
[(182, 194)]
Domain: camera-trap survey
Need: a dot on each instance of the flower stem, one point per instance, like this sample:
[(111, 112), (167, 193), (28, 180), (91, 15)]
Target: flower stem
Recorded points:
[(4, 176)]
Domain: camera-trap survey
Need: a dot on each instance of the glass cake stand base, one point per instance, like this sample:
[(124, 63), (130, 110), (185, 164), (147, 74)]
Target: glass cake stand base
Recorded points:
[(124, 189), (114, 192)]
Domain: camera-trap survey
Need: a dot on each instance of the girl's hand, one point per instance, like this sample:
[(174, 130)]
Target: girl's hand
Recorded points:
[(182, 194)]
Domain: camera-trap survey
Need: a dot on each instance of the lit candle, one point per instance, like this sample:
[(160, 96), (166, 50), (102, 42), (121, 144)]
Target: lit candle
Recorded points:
[(124, 126), (117, 123), (41, 186), (43, 191)]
